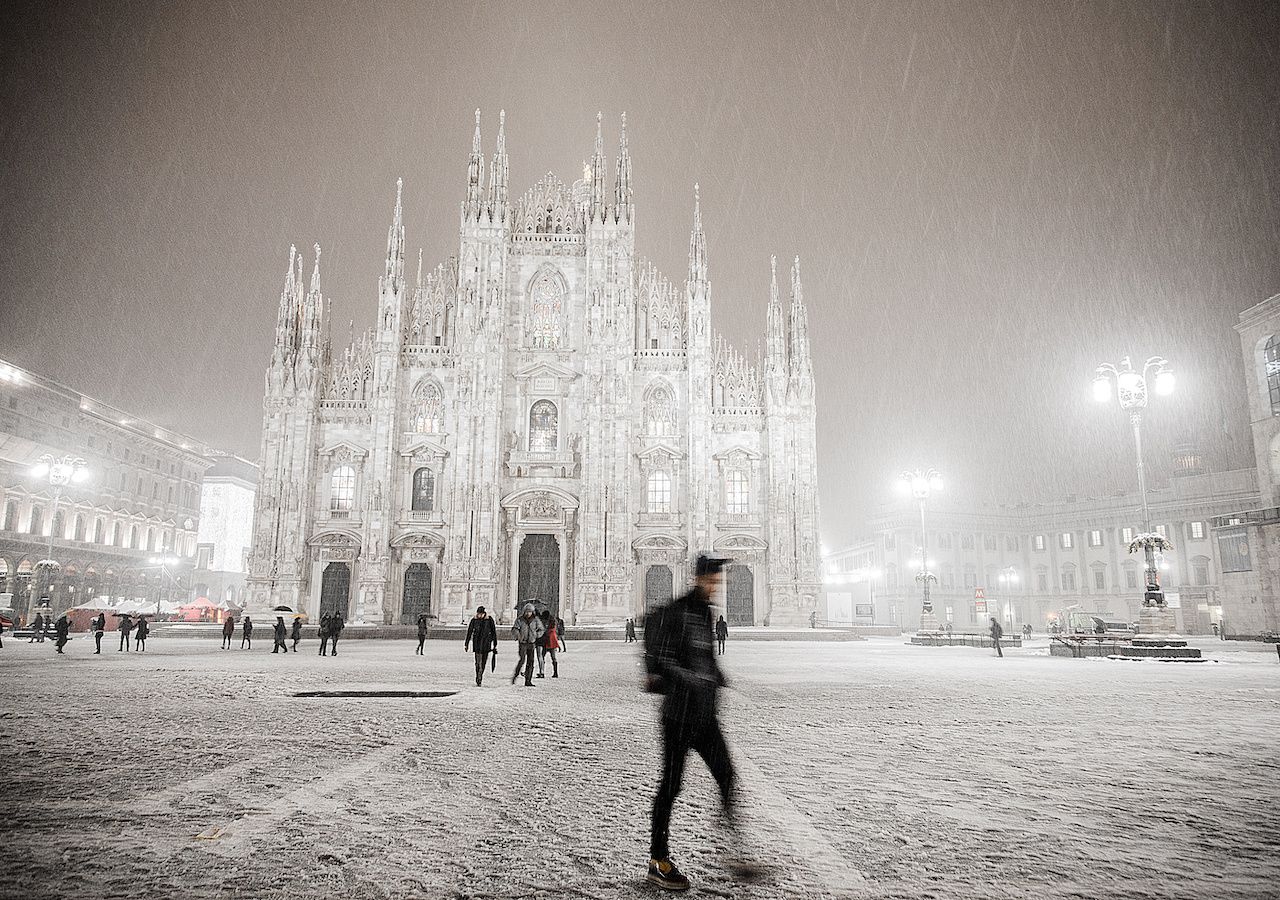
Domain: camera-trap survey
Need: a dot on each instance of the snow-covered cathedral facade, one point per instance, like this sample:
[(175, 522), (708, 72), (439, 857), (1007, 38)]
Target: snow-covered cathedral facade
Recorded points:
[(544, 416)]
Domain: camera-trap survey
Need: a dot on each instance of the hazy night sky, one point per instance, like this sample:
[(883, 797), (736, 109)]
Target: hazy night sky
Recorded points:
[(989, 199)]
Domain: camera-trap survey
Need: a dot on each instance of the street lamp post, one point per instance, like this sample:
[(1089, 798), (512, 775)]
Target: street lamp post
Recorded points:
[(1132, 391), (163, 562), (919, 484), (1008, 579), (59, 471)]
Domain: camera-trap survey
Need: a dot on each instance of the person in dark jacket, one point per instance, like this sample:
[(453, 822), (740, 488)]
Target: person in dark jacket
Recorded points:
[(550, 644), (422, 633), (722, 633), (295, 633), (48, 626), (630, 632), (336, 624), (279, 632), (63, 630), (680, 665), (526, 632), (482, 639), (37, 629), (996, 633), (326, 632), (140, 635), (228, 631), (126, 628), (246, 633), (98, 627), (564, 647)]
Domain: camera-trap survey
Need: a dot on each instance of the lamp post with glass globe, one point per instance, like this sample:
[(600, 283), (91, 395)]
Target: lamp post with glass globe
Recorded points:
[(58, 471), (1008, 579), (1131, 386), (163, 562), (919, 484)]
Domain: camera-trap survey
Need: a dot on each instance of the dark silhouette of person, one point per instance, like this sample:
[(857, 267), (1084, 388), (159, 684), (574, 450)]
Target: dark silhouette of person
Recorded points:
[(680, 665), (564, 646), (63, 631), (37, 629), (228, 631), (246, 633), (140, 635), (99, 627), (422, 633), (722, 633), (629, 633), (482, 639), (526, 632), (279, 632), (996, 634), (335, 631), (126, 628), (326, 632), (295, 633)]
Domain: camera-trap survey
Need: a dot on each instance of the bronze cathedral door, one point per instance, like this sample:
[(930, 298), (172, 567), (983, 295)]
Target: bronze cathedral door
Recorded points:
[(540, 571)]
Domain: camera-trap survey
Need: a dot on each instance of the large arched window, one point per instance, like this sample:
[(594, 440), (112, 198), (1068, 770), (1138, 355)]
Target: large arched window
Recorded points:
[(544, 426), (36, 522), (428, 408), (1271, 359), (11, 516), (342, 488), (424, 490), (660, 411), (659, 494), (737, 493), (546, 310), (98, 532)]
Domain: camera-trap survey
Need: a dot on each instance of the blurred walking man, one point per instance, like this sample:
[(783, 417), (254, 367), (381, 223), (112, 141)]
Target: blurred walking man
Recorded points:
[(680, 665), (526, 632), (63, 630), (482, 639), (996, 633)]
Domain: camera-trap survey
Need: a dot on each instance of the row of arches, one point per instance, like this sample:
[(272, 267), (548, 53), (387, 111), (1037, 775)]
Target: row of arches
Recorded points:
[(89, 528)]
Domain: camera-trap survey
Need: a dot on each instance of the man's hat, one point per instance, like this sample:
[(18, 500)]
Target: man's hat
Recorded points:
[(479, 609), (709, 565)]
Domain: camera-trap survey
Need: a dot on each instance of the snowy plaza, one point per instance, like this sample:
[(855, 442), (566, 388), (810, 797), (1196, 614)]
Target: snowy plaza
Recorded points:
[(868, 769)]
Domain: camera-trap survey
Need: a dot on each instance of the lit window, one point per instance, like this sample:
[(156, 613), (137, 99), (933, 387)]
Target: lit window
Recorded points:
[(342, 488), (1039, 542), (1126, 535), (424, 490), (659, 499), (738, 494), (1271, 357), (544, 426), (1160, 530), (1066, 540), (428, 409), (1197, 531), (1095, 538), (546, 305)]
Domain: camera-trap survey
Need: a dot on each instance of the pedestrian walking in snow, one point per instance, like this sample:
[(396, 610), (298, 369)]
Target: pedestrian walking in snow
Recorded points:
[(326, 632), (813, 618), (63, 631), (996, 633), (126, 628), (228, 631), (722, 633), (279, 632), (246, 633), (679, 665), (336, 624), (630, 632), (48, 626), (482, 639), (422, 632), (140, 635), (37, 628), (98, 628), (550, 644), (295, 634), (560, 630), (526, 632)]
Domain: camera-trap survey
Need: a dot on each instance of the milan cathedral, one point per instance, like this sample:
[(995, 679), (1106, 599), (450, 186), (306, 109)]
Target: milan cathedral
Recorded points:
[(544, 416)]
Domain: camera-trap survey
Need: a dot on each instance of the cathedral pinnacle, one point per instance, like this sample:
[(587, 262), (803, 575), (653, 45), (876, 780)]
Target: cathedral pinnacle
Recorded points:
[(597, 166), (419, 281), (622, 189), (498, 173), (697, 243), (395, 237), (475, 176), (315, 272)]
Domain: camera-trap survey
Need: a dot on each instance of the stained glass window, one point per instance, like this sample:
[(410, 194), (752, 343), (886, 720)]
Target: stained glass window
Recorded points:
[(659, 412), (428, 409), (424, 489), (544, 426), (342, 488), (547, 306), (659, 492)]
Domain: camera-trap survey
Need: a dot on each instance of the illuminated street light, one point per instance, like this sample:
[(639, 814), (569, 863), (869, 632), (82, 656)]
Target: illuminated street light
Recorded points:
[(58, 471), (1132, 386), (920, 483)]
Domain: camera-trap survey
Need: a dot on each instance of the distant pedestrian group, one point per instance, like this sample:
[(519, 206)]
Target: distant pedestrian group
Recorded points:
[(331, 625)]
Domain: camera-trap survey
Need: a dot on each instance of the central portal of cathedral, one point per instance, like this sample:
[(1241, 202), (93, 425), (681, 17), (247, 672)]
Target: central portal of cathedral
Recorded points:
[(540, 571)]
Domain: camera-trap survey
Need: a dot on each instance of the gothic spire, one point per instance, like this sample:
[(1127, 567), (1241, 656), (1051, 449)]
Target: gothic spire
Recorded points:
[(418, 283), (598, 173), (315, 272), (697, 243), (313, 308), (287, 316), (775, 327), (475, 174), (622, 188), (498, 171), (395, 237), (801, 363)]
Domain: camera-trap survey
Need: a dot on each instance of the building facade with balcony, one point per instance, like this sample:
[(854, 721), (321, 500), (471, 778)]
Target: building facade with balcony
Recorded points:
[(1030, 563), (545, 416), (140, 499)]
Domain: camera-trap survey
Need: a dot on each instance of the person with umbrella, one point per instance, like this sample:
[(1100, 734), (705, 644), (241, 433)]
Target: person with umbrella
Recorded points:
[(99, 627), (295, 634), (125, 628), (140, 635), (278, 633), (228, 631), (63, 630), (246, 633)]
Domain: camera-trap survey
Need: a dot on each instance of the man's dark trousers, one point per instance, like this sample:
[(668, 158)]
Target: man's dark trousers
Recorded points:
[(524, 658), (481, 660), (678, 738)]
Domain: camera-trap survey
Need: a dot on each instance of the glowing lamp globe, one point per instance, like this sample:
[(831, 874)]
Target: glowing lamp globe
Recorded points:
[(1164, 382), (40, 470), (935, 482), (1102, 389)]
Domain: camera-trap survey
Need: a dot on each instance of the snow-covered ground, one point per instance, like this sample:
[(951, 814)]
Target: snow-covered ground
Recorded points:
[(869, 769)]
